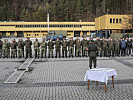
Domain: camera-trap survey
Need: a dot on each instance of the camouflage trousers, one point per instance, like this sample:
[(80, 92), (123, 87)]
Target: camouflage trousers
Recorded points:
[(71, 49), (85, 52), (20, 52), (111, 51), (50, 53), (13, 52), (117, 51), (78, 52), (43, 52), (57, 52), (64, 52), (0, 53), (99, 51), (5, 52), (37, 52)]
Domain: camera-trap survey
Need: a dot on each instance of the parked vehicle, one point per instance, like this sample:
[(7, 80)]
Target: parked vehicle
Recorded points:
[(54, 37)]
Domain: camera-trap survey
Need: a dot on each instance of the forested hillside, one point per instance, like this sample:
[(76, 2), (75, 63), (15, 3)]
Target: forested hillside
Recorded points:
[(61, 10)]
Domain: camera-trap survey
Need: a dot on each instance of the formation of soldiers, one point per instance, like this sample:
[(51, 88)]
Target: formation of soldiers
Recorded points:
[(105, 48)]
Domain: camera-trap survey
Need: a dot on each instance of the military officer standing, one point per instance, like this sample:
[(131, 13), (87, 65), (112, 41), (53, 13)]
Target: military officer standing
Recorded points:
[(43, 45), (50, 48), (64, 48), (5, 49), (13, 49), (57, 47), (76, 42), (8, 48), (28, 44), (20, 45), (99, 47), (92, 54), (15, 43), (117, 47), (71, 47), (105, 47), (36, 48), (84, 43), (23, 44), (78, 48), (1, 44), (111, 47)]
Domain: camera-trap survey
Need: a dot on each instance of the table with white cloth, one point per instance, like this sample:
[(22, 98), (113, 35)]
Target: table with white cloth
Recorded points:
[(101, 75)]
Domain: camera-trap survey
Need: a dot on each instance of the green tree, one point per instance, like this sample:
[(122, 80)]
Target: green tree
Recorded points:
[(27, 16)]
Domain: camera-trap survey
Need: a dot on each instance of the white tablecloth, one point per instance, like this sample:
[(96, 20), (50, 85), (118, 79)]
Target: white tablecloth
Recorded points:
[(99, 74)]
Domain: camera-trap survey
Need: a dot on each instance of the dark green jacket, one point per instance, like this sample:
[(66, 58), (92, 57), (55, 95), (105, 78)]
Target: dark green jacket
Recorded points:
[(50, 45), (92, 50), (64, 44), (57, 44)]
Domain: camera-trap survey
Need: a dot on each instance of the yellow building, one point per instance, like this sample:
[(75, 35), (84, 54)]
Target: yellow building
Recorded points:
[(110, 23), (103, 26), (40, 29)]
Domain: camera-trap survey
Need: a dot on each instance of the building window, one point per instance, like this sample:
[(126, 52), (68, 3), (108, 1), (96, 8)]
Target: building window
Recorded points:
[(117, 20), (120, 20), (114, 20), (110, 20)]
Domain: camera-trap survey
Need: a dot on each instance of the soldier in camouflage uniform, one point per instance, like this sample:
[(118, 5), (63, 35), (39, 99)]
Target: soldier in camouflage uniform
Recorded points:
[(76, 42), (71, 47), (84, 43), (57, 47), (20, 51), (99, 47), (13, 49), (1, 44), (50, 47), (8, 46), (28, 44), (5, 49), (117, 47), (78, 48), (105, 47), (64, 48), (36, 48), (23, 44), (111, 47), (43, 45)]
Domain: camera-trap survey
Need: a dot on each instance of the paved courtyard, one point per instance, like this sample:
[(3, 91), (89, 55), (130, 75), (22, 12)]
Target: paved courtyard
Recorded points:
[(62, 79)]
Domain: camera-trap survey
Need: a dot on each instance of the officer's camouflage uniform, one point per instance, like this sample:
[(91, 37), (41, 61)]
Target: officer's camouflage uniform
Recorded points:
[(50, 48), (5, 50), (57, 48), (36, 48), (71, 47), (8, 46), (111, 48), (43, 45), (99, 47), (64, 48), (84, 46), (78, 49), (23, 44), (28, 44), (105, 47), (117, 47), (76, 42), (13, 50), (1, 44), (20, 51)]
